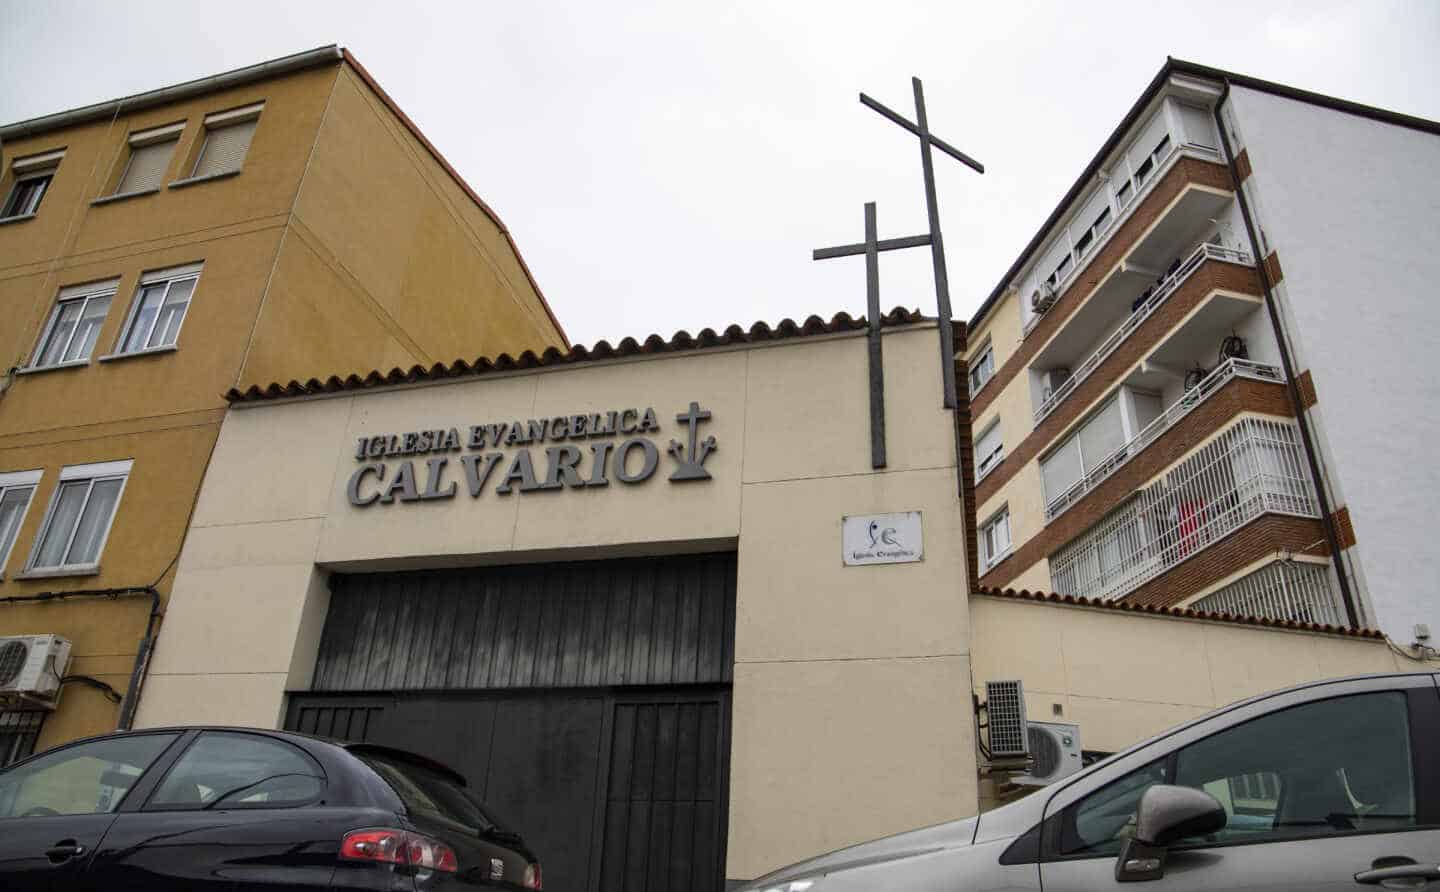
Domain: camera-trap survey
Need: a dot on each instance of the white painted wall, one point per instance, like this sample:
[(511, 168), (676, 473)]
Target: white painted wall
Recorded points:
[(1351, 207)]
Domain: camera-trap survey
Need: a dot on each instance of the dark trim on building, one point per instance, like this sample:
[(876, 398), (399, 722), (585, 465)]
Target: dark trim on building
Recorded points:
[(1179, 66)]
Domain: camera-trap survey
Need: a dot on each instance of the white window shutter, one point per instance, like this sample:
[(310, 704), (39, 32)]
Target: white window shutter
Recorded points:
[(225, 148), (146, 167)]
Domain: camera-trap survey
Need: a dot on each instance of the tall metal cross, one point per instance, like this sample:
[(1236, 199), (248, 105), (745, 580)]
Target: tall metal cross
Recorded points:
[(871, 248), (921, 128)]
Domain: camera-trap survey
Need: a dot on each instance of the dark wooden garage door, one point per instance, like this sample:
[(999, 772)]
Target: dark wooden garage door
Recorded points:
[(587, 703)]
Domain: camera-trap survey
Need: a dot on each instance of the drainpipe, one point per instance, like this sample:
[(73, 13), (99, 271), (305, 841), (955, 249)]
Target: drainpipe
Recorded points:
[(1332, 536), (147, 643)]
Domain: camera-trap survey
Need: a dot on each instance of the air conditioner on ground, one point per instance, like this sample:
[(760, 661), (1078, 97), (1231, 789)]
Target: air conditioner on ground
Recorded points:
[(1043, 297), (1005, 715), (31, 667), (1052, 380), (1055, 748)]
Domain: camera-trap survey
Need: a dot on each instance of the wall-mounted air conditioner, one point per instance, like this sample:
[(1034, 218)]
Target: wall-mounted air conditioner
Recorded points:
[(1005, 715), (1042, 298), (31, 666), (1055, 749)]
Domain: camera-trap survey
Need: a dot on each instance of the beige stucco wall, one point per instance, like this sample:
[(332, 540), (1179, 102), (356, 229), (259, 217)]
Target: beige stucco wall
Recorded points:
[(849, 681), (1125, 676)]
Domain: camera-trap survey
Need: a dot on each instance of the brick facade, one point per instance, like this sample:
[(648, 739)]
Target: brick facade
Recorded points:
[(1207, 278), (1344, 528), (1242, 165), (1305, 383), (1186, 171), (1264, 535), (1273, 272), (1219, 409)]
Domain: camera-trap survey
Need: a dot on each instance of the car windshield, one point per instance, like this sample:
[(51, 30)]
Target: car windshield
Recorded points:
[(425, 789)]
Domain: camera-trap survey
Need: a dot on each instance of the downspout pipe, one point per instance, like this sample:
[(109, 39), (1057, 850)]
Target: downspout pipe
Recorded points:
[(1332, 536), (147, 642)]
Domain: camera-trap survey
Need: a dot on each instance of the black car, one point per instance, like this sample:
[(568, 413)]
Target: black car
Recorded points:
[(240, 809)]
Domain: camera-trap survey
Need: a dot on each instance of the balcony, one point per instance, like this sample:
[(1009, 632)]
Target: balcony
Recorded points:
[(1107, 465), (1145, 305), (1295, 591), (1255, 467)]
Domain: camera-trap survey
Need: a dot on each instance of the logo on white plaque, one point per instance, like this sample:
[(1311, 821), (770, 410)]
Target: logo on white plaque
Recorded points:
[(881, 539)]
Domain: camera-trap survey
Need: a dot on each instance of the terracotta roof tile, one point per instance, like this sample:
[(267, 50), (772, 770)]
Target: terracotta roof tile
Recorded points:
[(1183, 612), (654, 344)]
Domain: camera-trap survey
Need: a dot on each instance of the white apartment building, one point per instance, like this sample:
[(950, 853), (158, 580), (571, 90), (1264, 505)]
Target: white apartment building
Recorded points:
[(1203, 382)]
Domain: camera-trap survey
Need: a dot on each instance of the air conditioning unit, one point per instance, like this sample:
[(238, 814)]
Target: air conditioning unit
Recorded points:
[(1055, 749), (1052, 380), (31, 667), (1042, 298), (1005, 714)]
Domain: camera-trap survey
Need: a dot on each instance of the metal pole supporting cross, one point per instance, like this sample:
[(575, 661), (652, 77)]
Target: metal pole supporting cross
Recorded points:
[(921, 128), (871, 248)]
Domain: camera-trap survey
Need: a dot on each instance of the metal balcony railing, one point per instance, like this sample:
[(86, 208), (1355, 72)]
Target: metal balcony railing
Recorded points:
[(1231, 368), (1254, 467), (1169, 286), (1285, 590)]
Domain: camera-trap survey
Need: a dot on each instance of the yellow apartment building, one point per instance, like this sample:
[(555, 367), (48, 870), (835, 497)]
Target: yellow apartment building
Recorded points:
[(269, 223)]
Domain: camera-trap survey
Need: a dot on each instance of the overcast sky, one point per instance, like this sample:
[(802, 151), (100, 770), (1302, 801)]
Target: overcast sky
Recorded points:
[(671, 165)]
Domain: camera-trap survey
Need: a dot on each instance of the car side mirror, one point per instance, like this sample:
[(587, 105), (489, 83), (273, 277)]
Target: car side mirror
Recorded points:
[(1166, 814)]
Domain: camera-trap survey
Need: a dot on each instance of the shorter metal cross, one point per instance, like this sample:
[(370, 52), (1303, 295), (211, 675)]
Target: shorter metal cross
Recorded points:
[(871, 248)]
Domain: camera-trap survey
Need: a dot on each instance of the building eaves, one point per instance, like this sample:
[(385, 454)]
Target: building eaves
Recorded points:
[(1180, 66), (681, 341), (1178, 612), (325, 55)]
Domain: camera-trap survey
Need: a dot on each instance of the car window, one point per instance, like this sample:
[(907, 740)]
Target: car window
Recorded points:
[(86, 779), (1334, 766), (224, 769), (424, 789)]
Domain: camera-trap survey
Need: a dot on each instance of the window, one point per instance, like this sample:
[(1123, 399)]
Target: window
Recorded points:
[(982, 369), (86, 779), (1353, 775), (227, 139), (32, 179), (1097, 439), (150, 153), (989, 449), (424, 789), (79, 517), (74, 325), (18, 732), (159, 308), (239, 771), (15, 492), (995, 539)]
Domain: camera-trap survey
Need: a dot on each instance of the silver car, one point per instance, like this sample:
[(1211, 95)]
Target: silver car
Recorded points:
[(1331, 785)]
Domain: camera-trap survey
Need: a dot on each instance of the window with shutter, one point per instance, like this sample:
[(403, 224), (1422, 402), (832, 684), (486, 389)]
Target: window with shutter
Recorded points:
[(146, 167), (989, 449), (224, 149)]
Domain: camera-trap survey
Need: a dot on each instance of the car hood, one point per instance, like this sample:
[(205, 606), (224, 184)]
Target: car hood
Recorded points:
[(949, 835)]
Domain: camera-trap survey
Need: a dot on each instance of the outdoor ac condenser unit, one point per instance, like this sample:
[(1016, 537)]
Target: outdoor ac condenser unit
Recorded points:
[(31, 666), (1005, 714), (1055, 748)]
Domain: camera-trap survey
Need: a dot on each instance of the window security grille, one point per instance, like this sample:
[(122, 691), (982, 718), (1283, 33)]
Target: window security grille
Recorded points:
[(1005, 712), (18, 732)]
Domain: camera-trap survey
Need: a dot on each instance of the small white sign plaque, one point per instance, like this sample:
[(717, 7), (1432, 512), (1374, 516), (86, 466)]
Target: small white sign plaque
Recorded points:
[(882, 539)]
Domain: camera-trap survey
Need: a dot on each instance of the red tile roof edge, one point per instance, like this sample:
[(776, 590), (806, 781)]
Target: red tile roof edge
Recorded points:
[(1180, 612), (654, 344)]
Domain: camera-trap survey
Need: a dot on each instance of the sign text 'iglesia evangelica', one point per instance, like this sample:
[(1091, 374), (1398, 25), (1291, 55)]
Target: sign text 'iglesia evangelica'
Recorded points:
[(631, 460)]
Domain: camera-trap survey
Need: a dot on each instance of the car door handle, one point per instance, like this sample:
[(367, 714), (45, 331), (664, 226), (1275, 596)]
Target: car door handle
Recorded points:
[(64, 850), (1422, 872)]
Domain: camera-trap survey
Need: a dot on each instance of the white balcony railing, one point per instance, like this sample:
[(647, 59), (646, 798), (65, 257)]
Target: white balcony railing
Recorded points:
[(1231, 368), (1285, 590), (1254, 467), (1169, 286)]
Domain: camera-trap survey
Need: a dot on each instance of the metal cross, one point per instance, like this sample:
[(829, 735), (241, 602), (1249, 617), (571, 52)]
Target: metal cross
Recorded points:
[(921, 128), (871, 248)]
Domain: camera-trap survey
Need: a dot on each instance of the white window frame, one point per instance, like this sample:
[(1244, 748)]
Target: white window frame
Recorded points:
[(92, 473), (1089, 463), (984, 464), (32, 167), (988, 351), (987, 558), (142, 138), (189, 272), (70, 294), (218, 120), (13, 480)]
